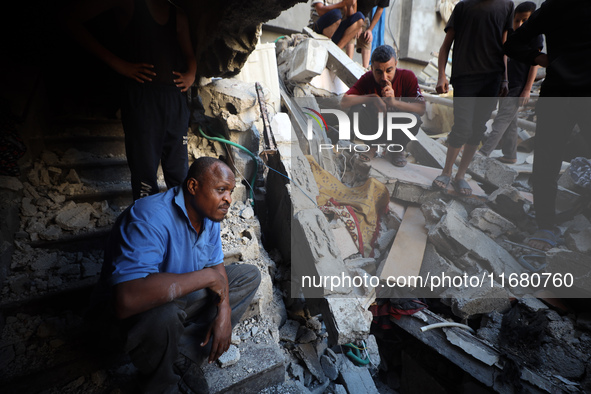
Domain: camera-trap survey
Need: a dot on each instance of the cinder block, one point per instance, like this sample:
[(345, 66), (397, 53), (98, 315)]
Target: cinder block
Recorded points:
[(260, 366), (309, 59)]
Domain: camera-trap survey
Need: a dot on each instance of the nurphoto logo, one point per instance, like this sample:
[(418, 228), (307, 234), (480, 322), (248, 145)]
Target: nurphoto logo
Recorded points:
[(388, 123)]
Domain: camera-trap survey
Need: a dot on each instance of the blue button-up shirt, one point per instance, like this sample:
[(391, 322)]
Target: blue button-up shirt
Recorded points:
[(155, 235)]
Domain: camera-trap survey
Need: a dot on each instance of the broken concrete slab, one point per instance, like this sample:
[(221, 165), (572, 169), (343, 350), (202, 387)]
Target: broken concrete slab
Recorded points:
[(307, 354), (480, 353), (509, 203), (289, 331), (346, 319), (315, 255), (427, 151), (579, 241), (434, 265), (470, 301), (572, 272), (10, 183), (454, 237), (74, 216), (344, 242), (260, 366), (413, 174), (406, 255), (491, 171), (490, 222), (356, 379), (348, 70), (308, 60)]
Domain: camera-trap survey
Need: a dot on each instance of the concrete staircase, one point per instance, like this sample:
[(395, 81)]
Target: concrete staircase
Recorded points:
[(45, 344)]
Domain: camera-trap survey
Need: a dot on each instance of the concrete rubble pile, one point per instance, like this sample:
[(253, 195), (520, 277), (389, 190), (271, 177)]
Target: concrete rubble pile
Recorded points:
[(482, 235), (48, 214)]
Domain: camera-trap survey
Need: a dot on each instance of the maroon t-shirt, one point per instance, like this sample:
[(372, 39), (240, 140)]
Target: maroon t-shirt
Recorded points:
[(405, 85)]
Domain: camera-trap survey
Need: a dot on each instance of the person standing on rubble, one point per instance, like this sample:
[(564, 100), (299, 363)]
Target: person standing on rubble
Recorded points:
[(477, 29), (386, 88), (339, 21), (564, 98), (521, 78), (164, 283), (366, 37), (159, 66)]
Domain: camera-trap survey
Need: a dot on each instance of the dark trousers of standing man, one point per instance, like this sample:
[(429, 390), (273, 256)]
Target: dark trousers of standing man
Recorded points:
[(556, 118), (155, 338), (155, 120)]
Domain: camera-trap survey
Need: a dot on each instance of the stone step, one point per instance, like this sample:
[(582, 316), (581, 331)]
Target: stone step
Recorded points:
[(97, 145), (260, 366), (85, 127)]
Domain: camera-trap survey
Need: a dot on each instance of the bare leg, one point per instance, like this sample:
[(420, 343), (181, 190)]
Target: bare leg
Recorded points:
[(365, 53), (350, 49), (350, 33), (329, 31), (452, 154), (469, 151)]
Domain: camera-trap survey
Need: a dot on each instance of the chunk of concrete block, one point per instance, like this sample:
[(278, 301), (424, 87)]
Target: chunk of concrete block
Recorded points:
[(309, 59), (229, 96), (491, 171), (289, 331), (490, 222), (426, 151), (509, 203), (74, 216), (454, 237), (356, 379), (229, 357), (346, 319), (259, 367), (571, 272), (329, 367), (470, 301), (435, 265), (315, 255), (579, 241), (307, 354)]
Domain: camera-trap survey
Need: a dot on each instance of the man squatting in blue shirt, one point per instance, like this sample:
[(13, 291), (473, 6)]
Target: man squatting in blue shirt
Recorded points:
[(169, 290)]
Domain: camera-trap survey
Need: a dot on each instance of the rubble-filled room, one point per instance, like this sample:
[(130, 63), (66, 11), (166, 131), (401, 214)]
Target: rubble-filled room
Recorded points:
[(372, 278)]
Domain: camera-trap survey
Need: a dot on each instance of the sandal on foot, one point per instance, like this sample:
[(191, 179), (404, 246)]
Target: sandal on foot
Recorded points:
[(443, 179), (462, 187), (506, 160), (398, 159), (548, 237)]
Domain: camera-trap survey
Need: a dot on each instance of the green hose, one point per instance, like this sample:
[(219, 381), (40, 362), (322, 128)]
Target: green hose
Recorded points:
[(256, 163)]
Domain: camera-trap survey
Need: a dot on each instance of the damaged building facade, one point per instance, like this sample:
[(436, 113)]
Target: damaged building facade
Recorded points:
[(325, 318)]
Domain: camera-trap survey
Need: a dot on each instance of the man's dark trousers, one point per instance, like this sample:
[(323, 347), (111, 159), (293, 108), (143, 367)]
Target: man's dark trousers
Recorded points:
[(156, 337)]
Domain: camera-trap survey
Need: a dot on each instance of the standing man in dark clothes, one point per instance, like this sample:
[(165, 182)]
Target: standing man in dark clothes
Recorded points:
[(564, 97), (477, 29), (159, 66)]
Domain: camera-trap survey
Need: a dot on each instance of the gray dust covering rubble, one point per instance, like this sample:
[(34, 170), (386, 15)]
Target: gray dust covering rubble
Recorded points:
[(290, 340), (483, 236)]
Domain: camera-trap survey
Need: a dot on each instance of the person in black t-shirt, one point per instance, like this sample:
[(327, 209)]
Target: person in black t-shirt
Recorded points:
[(159, 66), (564, 98), (477, 29), (521, 78)]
